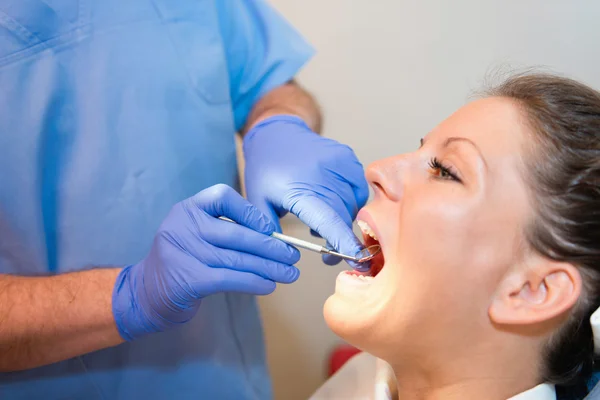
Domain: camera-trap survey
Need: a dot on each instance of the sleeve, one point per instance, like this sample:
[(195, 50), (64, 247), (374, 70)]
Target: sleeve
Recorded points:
[(263, 51)]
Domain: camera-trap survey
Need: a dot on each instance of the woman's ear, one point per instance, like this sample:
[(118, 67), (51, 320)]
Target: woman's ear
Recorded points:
[(537, 293)]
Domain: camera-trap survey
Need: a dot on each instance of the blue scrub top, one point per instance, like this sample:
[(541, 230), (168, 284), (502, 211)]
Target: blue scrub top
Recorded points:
[(111, 111)]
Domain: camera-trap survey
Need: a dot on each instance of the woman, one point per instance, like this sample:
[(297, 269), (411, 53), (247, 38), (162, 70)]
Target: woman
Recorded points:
[(491, 249)]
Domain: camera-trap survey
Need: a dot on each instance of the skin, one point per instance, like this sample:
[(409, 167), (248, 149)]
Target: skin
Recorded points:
[(49, 319), (461, 296)]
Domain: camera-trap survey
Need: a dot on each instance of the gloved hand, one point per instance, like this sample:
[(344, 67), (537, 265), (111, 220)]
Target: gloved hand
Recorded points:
[(194, 255), (290, 168)]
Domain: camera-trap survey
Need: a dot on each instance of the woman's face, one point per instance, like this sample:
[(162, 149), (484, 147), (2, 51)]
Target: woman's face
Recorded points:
[(450, 219)]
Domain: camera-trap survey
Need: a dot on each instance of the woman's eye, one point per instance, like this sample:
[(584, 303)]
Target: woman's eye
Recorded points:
[(441, 171), (444, 174)]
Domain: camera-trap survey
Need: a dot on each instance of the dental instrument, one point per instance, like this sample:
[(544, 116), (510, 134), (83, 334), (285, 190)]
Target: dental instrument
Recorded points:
[(362, 256)]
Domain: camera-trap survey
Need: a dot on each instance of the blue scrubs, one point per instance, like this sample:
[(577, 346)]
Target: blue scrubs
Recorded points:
[(111, 111)]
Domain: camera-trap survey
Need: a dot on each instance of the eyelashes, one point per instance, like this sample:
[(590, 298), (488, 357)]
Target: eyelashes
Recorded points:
[(442, 171)]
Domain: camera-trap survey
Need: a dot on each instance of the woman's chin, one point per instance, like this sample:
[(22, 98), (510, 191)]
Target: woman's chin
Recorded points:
[(351, 323), (357, 307)]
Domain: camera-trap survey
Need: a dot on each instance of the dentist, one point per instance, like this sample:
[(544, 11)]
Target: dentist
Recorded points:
[(117, 155)]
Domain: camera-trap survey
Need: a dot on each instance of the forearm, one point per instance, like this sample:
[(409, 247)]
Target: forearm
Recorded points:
[(288, 99), (49, 319)]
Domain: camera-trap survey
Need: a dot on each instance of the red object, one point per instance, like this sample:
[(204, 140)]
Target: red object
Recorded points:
[(339, 356)]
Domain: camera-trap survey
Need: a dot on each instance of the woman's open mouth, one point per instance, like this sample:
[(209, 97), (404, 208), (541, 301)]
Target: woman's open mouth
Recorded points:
[(370, 239), (354, 280)]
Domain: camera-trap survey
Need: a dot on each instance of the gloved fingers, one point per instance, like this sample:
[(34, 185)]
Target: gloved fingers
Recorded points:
[(268, 210), (360, 187), (361, 193), (268, 269), (234, 240), (329, 259), (350, 172), (221, 200), (335, 227), (226, 235), (228, 280), (340, 197)]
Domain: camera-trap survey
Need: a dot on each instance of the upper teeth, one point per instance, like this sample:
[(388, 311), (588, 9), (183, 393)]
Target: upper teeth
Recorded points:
[(366, 229)]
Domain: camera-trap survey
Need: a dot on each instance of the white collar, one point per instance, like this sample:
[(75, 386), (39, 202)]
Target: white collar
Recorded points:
[(545, 391)]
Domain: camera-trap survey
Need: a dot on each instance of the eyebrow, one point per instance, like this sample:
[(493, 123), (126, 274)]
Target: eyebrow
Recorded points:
[(450, 140)]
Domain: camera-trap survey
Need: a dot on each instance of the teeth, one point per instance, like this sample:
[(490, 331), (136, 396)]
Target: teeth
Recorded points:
[(366, 229), (361, 277)]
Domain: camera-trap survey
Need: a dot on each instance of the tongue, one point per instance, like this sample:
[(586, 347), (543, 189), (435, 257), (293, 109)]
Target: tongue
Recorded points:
[(378, 261), (376, 264)]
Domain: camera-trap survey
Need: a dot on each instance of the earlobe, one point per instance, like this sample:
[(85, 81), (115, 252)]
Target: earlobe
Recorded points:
[(536, 295)]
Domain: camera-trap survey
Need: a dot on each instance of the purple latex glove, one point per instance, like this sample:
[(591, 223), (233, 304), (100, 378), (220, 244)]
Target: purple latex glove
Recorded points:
[(291, 168), (194, 255)]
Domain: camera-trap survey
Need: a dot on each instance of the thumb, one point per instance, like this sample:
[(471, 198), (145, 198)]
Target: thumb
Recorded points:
[(221, 200)]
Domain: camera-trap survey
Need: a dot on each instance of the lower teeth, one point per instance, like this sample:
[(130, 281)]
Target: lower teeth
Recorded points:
[(362, 277)]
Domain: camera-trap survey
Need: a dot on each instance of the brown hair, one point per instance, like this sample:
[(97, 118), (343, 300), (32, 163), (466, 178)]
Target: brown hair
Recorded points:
[(563, 171)]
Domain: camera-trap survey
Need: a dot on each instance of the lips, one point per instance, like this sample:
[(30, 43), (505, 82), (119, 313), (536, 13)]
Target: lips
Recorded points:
[(370, 238)]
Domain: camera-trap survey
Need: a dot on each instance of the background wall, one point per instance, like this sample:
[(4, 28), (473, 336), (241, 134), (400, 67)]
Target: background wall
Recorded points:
[(387, 72)]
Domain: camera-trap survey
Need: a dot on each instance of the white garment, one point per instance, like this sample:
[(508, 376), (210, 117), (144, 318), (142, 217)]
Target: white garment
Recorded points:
[(365, 377), (595, 322), (545, 391)]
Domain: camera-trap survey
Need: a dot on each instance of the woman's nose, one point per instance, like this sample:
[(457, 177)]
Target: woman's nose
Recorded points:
[(386, 177)]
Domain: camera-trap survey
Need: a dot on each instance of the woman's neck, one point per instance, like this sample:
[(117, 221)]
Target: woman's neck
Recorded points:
[(478, 388), (468, 376)]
